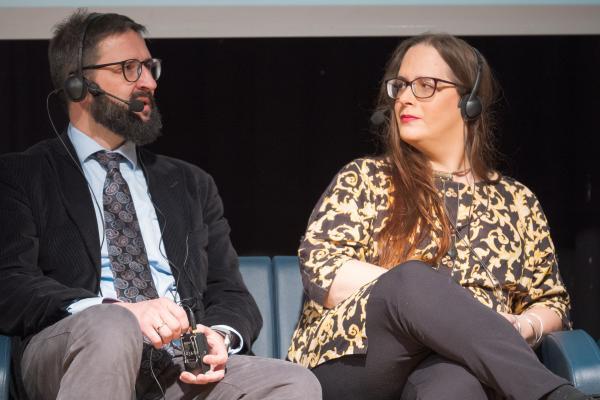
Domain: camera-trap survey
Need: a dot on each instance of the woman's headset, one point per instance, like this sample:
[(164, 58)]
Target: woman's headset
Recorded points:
[(470, 104)]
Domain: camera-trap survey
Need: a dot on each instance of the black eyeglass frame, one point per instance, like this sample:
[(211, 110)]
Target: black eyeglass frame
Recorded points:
[(147, 63), (388, 83)]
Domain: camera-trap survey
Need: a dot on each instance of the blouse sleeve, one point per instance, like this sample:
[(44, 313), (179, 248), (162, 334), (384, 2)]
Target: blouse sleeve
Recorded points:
[(542, 276), (339, 228)]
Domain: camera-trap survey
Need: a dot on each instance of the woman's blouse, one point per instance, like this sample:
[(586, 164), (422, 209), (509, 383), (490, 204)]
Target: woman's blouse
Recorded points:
[(504, 254)]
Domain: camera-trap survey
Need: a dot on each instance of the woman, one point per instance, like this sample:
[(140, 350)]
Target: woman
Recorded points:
[(429, 275)]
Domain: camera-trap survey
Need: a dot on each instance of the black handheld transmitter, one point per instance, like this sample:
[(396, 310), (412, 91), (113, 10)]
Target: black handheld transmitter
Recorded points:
[(194, 346)]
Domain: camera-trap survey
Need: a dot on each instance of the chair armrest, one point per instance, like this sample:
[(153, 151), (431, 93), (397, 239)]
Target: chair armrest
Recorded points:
[(4, 366), (575, 356)]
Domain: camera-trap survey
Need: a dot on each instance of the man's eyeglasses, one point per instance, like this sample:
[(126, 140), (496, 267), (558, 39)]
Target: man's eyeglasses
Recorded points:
[(422, 87), (132, 68)]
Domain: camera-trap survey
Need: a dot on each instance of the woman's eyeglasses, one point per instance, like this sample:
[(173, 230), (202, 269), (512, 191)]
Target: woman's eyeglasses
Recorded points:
[(422, 87)]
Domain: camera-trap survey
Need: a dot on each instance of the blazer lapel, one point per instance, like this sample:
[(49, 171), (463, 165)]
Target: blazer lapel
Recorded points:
[(76, 196), (167, 190)]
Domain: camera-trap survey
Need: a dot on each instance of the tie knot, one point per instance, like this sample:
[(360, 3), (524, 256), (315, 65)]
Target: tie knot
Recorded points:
[(108, 161)]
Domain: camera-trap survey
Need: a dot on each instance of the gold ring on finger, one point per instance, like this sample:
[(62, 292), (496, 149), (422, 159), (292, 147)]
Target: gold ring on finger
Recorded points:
[(158, 328)]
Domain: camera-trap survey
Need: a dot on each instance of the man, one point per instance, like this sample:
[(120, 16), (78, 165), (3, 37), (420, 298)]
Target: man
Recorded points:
[(108, 252)]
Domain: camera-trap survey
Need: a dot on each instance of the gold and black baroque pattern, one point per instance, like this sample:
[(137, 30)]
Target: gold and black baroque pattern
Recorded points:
[(504, 254)]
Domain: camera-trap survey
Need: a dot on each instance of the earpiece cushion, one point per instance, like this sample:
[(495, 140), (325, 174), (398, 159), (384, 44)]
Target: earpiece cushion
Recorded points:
[(75, 88), (470, 109)]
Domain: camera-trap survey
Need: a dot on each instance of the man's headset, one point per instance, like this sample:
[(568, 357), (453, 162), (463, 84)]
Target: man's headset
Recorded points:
[(470, 105), (77, 86)]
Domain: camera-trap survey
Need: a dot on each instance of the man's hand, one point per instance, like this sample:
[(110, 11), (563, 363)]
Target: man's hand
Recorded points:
[(161, 320), (216, 358)]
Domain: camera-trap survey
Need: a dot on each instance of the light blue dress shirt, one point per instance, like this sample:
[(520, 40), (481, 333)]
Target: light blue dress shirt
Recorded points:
[(95, 175)]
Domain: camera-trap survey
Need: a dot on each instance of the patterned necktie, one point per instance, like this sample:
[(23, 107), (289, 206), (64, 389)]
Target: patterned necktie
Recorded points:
[(127, 253)]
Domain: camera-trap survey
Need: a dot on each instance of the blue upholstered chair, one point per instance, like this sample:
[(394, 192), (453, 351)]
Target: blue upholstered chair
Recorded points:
[(276, 285), (4, 366), (258, 275), (278, 292)]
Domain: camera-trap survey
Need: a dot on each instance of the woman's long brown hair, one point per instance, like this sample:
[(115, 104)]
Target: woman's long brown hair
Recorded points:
[(416, 211)]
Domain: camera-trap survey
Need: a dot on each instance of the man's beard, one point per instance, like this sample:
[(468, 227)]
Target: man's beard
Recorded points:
[(117, 118)]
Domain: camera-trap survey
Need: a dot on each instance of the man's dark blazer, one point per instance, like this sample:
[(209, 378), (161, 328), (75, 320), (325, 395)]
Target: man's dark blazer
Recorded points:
[(50, 249)]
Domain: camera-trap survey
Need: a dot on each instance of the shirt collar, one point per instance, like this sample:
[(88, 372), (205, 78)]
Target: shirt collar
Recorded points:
[(85, 146)]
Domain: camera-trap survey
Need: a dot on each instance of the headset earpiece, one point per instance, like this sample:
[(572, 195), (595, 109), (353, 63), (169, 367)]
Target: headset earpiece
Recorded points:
[(75, 88), (470, 104)]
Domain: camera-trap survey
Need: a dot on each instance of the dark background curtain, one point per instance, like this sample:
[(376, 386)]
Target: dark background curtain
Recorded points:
[(274, 119)]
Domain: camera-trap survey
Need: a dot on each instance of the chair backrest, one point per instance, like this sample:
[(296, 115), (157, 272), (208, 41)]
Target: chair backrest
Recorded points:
[(4, 366), (277, 288), (288, 299), (257, 273)]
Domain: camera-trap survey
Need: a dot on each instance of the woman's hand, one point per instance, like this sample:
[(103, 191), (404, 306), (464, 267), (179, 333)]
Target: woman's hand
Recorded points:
[(534, 323), (523, 327)]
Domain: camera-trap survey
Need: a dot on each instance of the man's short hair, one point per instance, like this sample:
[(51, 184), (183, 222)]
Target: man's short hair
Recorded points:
[(64, 45)]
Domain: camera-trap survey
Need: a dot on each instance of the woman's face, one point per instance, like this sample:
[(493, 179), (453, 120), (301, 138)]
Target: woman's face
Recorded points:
[(432, 125)]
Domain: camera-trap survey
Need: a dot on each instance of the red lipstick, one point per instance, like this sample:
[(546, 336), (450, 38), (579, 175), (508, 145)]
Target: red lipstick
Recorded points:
[(404, 118)]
